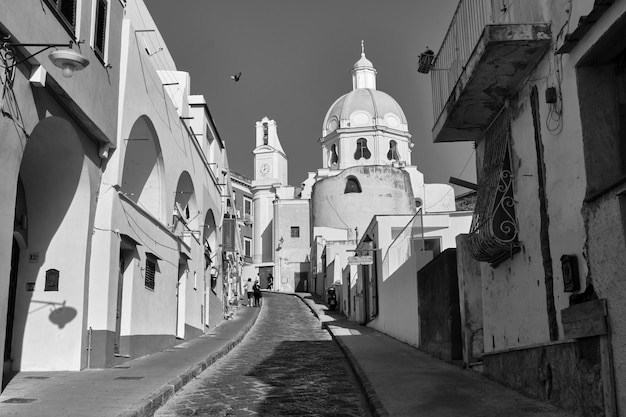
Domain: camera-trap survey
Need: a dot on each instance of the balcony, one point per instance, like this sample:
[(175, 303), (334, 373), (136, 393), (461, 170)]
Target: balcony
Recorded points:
[(488, 49)]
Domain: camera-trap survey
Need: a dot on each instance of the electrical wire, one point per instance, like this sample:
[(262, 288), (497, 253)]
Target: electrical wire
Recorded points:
[(460, 175), (554, 117)]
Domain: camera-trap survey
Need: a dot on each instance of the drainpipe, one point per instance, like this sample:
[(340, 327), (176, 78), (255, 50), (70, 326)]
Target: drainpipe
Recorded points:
[(89, 333)]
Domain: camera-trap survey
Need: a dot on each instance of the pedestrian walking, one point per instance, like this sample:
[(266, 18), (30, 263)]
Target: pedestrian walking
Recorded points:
[(257, 293), (270, 282), (248, 288)]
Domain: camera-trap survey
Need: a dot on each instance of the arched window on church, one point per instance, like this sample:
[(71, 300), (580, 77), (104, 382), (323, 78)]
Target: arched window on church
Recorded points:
[(393, 151), (361, 149), (352, 185), (334, 156)]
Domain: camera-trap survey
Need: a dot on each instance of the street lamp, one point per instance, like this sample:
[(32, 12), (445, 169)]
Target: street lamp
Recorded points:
[(67, 59)]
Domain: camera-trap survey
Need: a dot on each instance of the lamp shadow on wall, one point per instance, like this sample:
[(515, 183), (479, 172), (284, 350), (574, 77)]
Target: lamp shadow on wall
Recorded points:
[(60, 314)]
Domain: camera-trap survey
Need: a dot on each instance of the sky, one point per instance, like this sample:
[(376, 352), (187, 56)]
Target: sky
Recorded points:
[(295, 57)]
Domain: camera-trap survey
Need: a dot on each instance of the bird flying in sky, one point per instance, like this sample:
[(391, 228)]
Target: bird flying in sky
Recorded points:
[(236, 77)]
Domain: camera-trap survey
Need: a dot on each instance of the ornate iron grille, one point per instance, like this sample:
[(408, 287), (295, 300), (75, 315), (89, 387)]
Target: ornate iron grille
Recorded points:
[(494, 230)]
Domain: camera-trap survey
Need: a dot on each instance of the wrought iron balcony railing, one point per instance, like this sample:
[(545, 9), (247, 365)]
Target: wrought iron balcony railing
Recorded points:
[(467, 25), (494, 229)]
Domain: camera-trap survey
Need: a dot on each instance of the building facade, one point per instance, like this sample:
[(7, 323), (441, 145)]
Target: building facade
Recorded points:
[(242, 188), (111, 230), (549, 223)]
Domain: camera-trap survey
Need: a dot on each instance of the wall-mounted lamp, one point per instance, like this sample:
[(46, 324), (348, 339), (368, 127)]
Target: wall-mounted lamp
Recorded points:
[(67, 59), (425, 61)]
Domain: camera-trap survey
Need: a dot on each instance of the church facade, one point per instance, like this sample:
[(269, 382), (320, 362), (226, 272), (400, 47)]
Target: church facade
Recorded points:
[(304, 235)]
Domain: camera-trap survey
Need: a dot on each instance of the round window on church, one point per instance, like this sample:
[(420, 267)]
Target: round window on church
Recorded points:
[(332, 124)]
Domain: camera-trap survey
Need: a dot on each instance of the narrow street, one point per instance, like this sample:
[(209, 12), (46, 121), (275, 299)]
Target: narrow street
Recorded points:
[(286, 365)]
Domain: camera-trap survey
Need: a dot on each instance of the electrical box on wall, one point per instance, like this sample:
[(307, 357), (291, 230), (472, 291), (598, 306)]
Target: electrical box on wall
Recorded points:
[(550, 95), (569, 267)]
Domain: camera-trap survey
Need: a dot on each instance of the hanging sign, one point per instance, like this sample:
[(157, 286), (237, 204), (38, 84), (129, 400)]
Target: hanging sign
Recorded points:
[(361, 260)]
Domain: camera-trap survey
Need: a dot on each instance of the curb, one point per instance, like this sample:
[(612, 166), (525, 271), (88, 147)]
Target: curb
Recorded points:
[(373, 402), (148, 405)]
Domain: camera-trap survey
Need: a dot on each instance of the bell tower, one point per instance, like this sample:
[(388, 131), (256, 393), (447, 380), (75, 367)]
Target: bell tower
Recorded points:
[(270, 173), (270, 161)]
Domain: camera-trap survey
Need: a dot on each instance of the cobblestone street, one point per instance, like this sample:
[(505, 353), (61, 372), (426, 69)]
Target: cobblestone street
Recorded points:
[(286, 365)]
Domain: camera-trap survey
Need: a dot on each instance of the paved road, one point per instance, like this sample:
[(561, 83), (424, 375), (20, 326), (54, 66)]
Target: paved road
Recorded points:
[(286, 365)]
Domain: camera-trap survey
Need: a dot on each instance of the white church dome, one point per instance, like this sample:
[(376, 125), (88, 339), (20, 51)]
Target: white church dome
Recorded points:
[(364, 107)]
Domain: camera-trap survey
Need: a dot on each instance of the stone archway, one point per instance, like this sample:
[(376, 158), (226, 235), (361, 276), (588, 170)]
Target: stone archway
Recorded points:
[(142, 175), (186, 214), (214, 293)]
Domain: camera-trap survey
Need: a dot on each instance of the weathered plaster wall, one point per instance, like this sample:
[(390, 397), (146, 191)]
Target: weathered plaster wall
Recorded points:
[(607, 264), (517, 286), (385, 190), (566, 374), (471, 302)]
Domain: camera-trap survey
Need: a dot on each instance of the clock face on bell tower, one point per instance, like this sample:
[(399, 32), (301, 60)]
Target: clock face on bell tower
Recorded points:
[(265, 169)]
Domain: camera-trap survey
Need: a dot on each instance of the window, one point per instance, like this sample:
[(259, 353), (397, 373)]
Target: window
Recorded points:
[(247, 247), (150, 272), (494, 230), (100, 28), (265, 134), (334, 157), (247, 206), (66, 11), (295, 231), (361, 149), (352, 186), (393, 151)]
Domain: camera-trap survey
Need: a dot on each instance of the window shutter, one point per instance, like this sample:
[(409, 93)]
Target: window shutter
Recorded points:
[(149, 273), (67, 8), (101, 20)]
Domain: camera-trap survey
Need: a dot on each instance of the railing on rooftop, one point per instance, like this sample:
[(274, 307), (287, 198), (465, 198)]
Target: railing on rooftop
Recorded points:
[(466, 28)]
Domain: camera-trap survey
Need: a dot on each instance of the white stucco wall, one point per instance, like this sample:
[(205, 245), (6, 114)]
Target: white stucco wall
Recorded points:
[(397, 293), (398, 303)]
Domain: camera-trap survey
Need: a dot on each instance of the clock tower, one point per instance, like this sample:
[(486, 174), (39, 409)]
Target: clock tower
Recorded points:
[(270, 174), (270, 161)]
